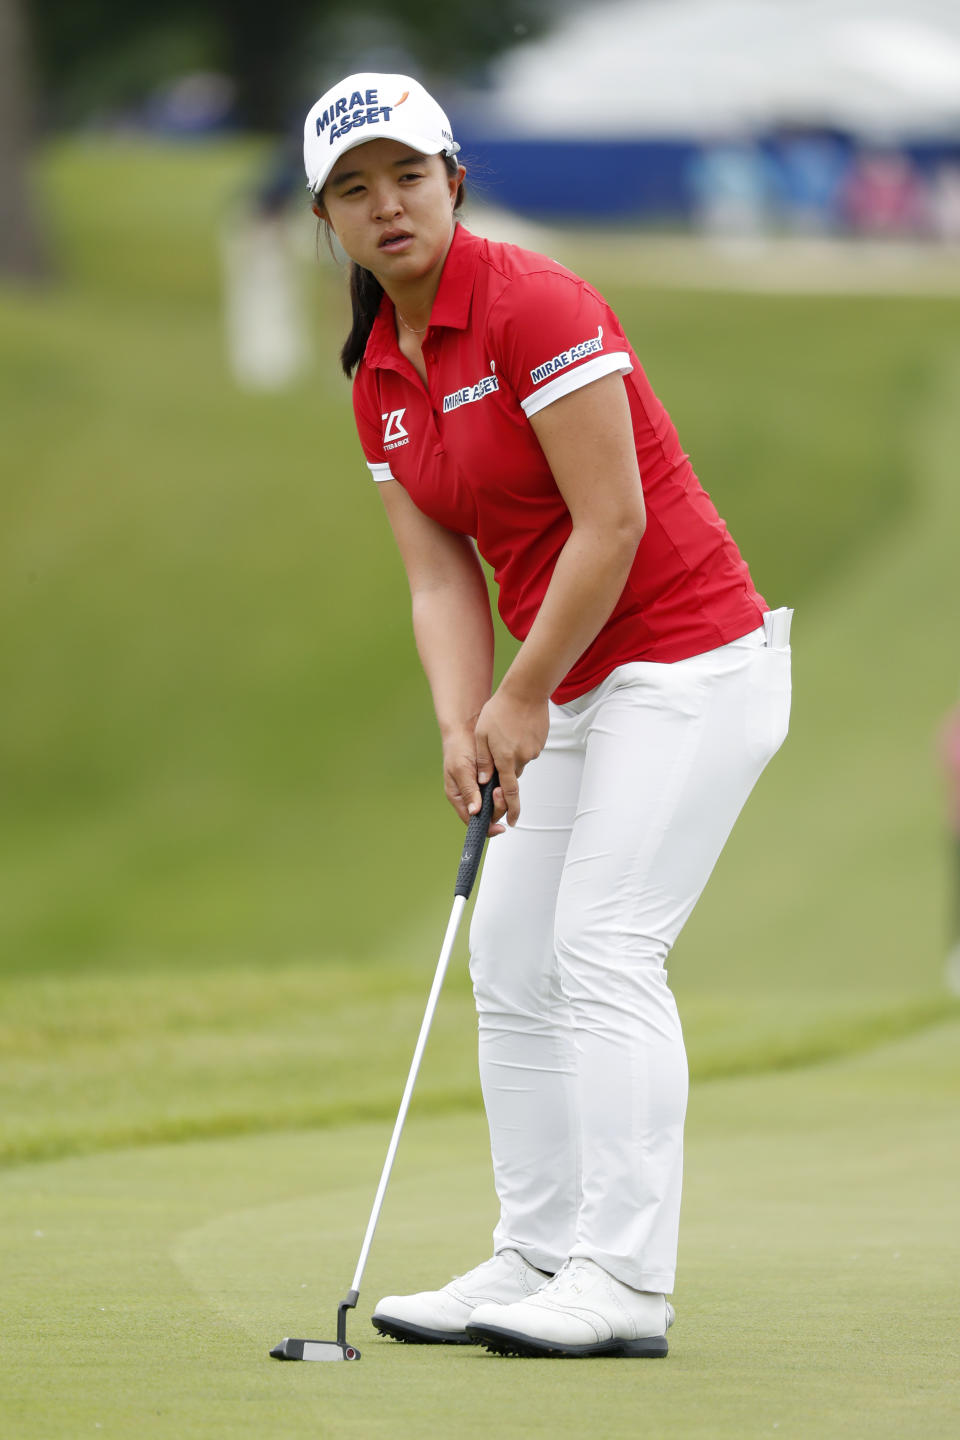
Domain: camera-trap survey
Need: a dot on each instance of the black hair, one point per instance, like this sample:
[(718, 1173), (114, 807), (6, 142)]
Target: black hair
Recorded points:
[(366, 293)]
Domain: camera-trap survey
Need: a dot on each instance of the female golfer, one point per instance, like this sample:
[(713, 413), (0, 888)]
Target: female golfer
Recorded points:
[(502, 409)]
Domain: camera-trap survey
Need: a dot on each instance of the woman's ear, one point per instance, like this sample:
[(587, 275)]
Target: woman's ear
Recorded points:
[(318, 210)]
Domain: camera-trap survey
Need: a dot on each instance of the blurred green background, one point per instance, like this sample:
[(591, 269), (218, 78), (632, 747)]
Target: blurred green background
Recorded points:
[(225, 851), (226, 861)]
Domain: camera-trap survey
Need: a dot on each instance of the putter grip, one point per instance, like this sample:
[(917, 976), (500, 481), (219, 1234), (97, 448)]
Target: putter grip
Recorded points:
[(476, 837)]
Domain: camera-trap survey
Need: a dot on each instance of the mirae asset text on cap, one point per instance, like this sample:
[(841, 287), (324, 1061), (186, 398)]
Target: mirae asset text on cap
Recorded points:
[(362, 108)]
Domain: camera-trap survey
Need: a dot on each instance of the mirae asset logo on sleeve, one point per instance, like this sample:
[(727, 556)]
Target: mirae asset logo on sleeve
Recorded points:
[(568, 357)]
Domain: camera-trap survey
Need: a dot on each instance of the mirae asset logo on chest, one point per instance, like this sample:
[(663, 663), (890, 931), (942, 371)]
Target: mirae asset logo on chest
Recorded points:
[(469, 394)]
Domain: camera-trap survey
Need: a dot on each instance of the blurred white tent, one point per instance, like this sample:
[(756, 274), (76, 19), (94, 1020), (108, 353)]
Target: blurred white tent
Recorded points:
[(884, 69)]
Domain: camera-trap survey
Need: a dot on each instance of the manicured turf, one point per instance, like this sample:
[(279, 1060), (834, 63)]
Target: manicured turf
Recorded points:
[(226, 866), (817, 1292)]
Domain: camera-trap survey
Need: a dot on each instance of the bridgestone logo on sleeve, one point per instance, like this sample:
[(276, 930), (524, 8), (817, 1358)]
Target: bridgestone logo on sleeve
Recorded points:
[(568, 357)]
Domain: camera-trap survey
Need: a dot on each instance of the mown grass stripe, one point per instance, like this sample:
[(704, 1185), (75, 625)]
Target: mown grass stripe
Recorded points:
[(855, 1037)]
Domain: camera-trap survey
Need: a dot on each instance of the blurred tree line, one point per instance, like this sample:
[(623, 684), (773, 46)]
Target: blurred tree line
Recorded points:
[(65, 63), (102, 53), (22, 253)]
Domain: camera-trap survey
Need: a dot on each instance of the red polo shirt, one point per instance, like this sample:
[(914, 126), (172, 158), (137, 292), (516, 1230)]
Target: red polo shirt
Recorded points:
[(510, 332)]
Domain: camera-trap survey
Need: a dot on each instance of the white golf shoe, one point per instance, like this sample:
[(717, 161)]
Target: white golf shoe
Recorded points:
[(439, 1317), (582, 1311)]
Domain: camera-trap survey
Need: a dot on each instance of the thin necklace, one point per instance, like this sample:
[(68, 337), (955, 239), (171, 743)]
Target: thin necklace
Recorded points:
[(407, 326)]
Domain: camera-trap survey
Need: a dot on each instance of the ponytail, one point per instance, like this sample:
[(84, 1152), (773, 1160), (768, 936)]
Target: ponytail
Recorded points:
[(366, 293)]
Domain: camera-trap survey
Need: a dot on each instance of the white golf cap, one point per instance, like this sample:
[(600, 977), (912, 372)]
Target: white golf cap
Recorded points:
[(372, 107)]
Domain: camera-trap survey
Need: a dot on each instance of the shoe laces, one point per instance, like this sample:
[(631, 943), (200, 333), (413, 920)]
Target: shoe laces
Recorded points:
[(565, 1278)]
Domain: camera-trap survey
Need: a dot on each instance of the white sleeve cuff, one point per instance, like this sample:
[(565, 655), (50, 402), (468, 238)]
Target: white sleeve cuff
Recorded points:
[(573, 379), (380, 472)]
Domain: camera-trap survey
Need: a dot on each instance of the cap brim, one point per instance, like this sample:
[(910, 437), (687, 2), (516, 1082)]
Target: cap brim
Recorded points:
[(419, 143)]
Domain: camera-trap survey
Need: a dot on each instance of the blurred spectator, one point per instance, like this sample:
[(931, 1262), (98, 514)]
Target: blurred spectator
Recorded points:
[(812, 165), (884, 197), (195, 104), (945, 202), (950, 757), (732, 185), (279, 186), (268, 343)]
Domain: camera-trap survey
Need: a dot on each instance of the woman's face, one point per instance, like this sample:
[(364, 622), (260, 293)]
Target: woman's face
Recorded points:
[(391, 209)]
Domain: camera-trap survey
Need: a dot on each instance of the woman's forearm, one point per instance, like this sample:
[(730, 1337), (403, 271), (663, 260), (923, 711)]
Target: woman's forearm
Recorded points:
[(587, 582), (587, 439), (454, 634), (451, 610)]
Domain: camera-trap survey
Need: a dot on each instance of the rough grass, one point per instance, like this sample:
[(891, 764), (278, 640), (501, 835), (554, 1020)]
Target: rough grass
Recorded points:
[(102, 1062)]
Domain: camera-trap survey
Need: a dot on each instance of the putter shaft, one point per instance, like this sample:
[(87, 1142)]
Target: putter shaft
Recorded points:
[(466, 875)]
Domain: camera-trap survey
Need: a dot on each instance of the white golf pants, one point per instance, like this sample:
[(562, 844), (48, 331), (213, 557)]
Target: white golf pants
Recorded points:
[(582, 1062)]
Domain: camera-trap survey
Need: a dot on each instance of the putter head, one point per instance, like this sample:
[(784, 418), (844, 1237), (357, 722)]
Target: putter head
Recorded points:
[(314, 1350), (323, 1349)]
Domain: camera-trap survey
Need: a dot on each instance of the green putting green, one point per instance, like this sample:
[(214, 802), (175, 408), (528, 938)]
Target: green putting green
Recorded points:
[(143, 1288)]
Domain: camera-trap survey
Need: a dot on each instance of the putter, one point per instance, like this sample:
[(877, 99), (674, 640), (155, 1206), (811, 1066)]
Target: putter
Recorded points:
[(466, 875)]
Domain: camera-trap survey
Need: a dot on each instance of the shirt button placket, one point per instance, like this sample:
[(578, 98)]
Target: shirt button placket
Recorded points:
[(438, 448)]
